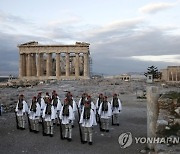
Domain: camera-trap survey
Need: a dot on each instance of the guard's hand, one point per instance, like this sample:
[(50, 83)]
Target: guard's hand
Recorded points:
[(70, 121), (119, 110)]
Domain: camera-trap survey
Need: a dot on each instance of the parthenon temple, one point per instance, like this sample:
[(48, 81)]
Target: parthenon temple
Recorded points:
[(61, 62)]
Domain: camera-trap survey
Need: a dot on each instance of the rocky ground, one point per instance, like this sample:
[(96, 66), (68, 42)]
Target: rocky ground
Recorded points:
[(133, 118)]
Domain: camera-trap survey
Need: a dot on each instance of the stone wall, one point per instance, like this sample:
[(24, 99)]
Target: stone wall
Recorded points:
[(168, 123)]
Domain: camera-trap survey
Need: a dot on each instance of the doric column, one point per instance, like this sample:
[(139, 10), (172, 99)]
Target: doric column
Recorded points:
[(39, 61), (48, 64), (29, 64), (86, 63), (77, 65), (24, 64), (20, 65), (43, 65), (57, 65), (176, 75), (67, 64), (33, 64)]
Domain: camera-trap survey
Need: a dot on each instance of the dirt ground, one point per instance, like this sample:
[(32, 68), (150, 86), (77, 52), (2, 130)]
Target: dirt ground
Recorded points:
[(133, 118)]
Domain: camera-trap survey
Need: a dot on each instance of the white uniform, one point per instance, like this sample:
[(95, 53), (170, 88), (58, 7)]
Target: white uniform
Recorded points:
[(116, 111), (42, 105), (34, 117), (87, 124), (66, 120), (49, 120), (21, 114), (105, 116), (57, 108)]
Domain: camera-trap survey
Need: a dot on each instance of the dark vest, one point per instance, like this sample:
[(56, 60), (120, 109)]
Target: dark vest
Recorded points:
[(55, 102), (33, 107), (82, 101), (87, 113), (20, 104), (100, 101), (115, 102), (105, 106), (39, 100), (65, 110), (48, 109)]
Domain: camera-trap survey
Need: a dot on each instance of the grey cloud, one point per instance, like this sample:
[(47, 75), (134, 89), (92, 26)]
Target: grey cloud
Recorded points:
[(156, 7), (10, 18)]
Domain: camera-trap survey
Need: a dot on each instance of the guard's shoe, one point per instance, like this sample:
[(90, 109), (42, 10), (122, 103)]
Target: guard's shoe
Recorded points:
[(117, 124), (84, 142), (107, 130), (90, 143), (69, 139), (51, 135)]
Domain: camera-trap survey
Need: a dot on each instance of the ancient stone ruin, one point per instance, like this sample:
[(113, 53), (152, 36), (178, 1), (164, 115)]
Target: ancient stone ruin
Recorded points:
[(43, 62)]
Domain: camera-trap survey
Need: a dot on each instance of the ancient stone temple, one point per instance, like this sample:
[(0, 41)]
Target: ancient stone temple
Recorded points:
[(171, 74), (61, 62)]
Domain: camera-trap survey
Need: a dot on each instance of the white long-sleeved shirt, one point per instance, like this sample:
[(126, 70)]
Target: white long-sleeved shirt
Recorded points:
[(105, 114), (66, 119), (88, 122), (116, 110), (42, 105), (48, 117), (58, 108), (35, 115), (97, 102), (24, 110)]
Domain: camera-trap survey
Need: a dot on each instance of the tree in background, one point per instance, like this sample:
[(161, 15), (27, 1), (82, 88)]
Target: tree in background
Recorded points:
[(154, 71)]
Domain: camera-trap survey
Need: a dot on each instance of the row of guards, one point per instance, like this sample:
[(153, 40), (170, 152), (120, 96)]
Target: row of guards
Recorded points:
[(49, 111)]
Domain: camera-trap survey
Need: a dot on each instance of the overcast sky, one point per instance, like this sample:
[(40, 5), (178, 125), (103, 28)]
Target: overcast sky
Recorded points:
[(124, 35)]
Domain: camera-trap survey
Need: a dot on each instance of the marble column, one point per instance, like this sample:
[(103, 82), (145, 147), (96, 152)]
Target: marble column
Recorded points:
[(33, 64), (58, 65), (24, 64), (86, 63), (29, 64), (67, 64), (77, 65), (20, 65), (48, 64), (39, 61)]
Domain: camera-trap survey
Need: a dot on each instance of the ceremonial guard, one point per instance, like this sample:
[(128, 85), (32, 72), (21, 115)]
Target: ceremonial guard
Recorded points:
[(72, 103), (42, 104), (34, 115), (48, 117), (66, 116), (87, 120), (105, 113), (99, 100), (20, 111), (57, 107), (116, 109), (93, 107), (82, 101)]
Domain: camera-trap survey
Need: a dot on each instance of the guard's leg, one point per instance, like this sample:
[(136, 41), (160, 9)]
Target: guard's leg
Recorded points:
[(90, 135), (85, 134), (51, 128), (48, 127), (117, 118), (103, 124), (70, 132), (19, 121), (36, 121), (23, 121), (107, 125), (66, 131)]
